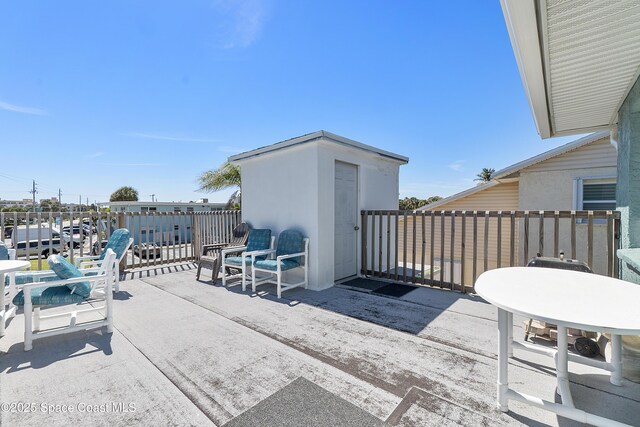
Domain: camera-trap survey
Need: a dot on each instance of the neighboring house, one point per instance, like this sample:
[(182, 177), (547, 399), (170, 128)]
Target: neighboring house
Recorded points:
[(168, 229), (580, 175)]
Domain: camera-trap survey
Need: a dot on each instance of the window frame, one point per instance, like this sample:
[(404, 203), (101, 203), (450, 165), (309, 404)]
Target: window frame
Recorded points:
[(578, 193)]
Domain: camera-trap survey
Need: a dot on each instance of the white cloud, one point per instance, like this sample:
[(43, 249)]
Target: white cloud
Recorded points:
[(244, 21), (457, 165), (161, 137), (24, 110), (94, 155)]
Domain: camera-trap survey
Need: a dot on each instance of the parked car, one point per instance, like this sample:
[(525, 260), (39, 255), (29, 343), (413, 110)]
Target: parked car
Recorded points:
[(76, 234), (44, 247), (147, 250)]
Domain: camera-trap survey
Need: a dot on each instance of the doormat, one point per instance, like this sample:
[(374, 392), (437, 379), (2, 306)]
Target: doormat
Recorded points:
[(366, 284), (394, 290), (304, 403)]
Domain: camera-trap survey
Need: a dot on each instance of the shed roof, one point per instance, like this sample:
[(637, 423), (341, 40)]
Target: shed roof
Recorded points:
[(315, 136)]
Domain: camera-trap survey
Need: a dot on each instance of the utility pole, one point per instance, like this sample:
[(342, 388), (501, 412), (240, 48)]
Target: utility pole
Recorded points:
[(33, 193), (60, 198), (80, 203), (153, 198)]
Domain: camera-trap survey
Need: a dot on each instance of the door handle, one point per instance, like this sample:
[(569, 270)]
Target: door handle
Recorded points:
[(356, 228)]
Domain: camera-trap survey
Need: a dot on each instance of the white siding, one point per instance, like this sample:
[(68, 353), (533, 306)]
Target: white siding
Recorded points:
[(598, 154)]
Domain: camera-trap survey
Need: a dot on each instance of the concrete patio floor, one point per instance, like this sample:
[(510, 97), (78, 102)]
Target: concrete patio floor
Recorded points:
[(187, 352)]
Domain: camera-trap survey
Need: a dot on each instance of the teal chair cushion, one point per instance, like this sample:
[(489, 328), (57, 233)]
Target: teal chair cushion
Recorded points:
[(65, 270), (290, 242), (236, 260), (4, 252), (118, 243), (55, 295), (259, 240), (272, 264)]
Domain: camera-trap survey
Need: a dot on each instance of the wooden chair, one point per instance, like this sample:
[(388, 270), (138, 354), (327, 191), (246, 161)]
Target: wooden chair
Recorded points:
[(239, 238)]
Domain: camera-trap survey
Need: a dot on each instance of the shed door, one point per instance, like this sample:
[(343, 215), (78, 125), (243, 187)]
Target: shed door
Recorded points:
[(346, 220)]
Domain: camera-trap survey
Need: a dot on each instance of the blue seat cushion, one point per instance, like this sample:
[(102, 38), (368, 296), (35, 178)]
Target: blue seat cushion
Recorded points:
[(290, 242), (272, 264), (236, 260), (65, 270), (55, 295), (259, 240), (118, 243)]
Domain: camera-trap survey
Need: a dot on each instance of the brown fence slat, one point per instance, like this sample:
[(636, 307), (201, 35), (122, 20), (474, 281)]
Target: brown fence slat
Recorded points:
[(452, 249)]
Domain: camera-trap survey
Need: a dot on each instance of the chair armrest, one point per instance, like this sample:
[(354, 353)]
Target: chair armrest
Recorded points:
[(255, 254), (79, 259), (234, 250), (212, 246), (281, 257), (62, 282)]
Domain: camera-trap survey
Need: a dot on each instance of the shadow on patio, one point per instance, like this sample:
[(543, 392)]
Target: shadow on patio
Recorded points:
[(192, 353)]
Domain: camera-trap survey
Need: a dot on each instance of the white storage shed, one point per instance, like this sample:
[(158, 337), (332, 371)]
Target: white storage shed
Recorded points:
[(318, 183)]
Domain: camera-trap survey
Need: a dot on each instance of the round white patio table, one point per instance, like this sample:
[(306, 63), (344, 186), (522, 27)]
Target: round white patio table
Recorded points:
[(8, 266), (568, 299)]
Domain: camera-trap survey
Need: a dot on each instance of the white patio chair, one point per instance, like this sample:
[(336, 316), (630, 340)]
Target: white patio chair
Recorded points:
[(71, 288), (119, 242), (259, 239), (9, 290), (292, 252)]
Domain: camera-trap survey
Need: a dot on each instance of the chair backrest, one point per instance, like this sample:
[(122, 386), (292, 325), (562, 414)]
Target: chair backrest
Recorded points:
[(259, 240), (290, 242), (118, 243), (240, 234)]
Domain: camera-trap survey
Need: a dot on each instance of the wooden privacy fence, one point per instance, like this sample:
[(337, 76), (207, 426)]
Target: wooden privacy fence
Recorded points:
[(450, 249), (173, 236)]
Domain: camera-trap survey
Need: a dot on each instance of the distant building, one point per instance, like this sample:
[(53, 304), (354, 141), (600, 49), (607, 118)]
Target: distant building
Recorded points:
[(163, 230), (22, 203)]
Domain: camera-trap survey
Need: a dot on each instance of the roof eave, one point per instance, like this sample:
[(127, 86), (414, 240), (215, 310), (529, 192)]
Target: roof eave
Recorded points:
[(522, 24), (314, 136)]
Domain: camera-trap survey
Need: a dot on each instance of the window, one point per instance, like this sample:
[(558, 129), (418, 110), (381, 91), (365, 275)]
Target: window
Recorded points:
[(144, 209), (596, 194), (177, 209), (189, 209)]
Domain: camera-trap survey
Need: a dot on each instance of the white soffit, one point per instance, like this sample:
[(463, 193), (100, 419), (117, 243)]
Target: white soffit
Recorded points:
[(590, 51)]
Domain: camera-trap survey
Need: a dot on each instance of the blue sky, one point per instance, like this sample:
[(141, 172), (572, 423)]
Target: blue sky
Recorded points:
[(96, 95)]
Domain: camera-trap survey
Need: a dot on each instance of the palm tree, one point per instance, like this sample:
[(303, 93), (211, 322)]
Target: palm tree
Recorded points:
[(226, 176), (485, 175), (124, 194)]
